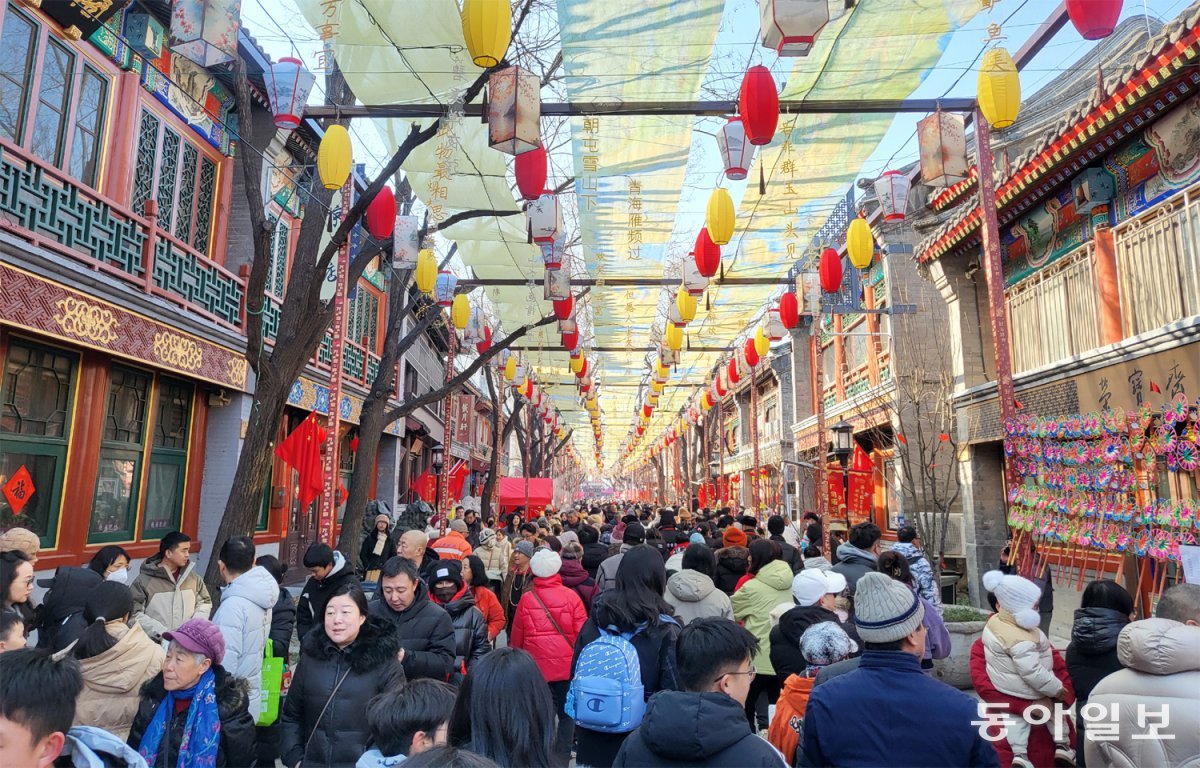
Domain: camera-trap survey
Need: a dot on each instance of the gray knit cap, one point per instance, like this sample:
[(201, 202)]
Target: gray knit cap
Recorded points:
[(524, 547), (885, 610)]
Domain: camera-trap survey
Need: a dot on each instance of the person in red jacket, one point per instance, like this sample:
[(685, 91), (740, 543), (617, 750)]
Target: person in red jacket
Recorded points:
[(1041, 742), (548, 620), (475, 575)]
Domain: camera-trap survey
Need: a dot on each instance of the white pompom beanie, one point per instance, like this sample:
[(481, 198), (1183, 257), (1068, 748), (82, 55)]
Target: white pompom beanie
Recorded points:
[(545, 563), (1016, 595)]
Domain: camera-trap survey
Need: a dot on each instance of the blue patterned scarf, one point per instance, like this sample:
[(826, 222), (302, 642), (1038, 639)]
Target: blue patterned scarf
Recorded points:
[(201, 734)]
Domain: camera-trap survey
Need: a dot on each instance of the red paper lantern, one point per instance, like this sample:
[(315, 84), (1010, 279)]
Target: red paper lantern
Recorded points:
[(707, 254), (647, 411), (381, 214), (583, 369), (751, 353), (789, 310), (530, 170), (570, 341), (759, 105), (1094, 18), (830, 271), (734, 375), (717, 385), (563, 309), (485, 343), (640, 430)]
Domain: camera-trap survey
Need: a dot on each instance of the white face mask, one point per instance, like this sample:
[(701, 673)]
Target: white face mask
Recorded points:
[(121, 576)]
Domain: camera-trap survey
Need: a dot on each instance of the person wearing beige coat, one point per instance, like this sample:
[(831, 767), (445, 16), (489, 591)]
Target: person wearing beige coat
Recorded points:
[(116, 659)]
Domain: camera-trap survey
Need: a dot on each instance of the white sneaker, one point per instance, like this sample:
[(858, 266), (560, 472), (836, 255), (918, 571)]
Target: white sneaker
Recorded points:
[(1064, 757), (1020, 761)]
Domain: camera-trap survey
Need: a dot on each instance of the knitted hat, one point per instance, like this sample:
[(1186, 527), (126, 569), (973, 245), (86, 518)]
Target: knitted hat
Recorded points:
[(448, 570), (199, 636), (568, 537), (734, 537), (458, 525), (486, 537), (635, 533), (885, 610), (572, 551), (20, 540), (826, 643), (383, 516), (1017, 595), (696, 538), (545, 562), (811, 584), (524, 547)]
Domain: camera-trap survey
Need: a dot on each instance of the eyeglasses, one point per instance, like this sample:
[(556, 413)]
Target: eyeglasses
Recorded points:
[(750, 673)]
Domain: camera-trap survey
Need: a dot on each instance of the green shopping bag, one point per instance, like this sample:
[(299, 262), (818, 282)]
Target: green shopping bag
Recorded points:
[(272, 684)]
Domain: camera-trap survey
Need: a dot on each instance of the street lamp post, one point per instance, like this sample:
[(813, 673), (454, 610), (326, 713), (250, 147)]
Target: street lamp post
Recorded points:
[(843, 442)]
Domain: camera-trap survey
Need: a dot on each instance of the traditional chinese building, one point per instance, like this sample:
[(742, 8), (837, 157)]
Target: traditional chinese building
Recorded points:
[(124, 253), (1097, 189)]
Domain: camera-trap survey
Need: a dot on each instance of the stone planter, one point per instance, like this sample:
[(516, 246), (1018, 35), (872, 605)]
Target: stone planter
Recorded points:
[(955, 669)]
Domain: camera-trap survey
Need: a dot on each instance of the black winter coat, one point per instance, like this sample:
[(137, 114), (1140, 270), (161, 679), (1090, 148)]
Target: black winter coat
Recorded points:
[(283, 620), (62, 609), (593, 555), (1092, 654), (425, 632), (732, 564), (696, 729), (369, 561), (471, 640), (237, 726), (785, 637), (369, 667), (311, 610), (789, 554)]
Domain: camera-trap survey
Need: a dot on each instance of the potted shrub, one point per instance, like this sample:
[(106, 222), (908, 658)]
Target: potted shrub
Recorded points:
[(965, 625)]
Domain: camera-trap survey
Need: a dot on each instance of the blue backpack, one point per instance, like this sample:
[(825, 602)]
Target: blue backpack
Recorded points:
[(606, 694)]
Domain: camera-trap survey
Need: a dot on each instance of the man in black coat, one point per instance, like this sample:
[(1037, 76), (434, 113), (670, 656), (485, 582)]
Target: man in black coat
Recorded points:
[(329, 571), (789, 554), (700, 725), (594, 552), (425, 630), (814, 591)]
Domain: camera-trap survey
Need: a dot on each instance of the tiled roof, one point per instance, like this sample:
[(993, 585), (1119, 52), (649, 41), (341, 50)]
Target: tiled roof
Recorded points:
[(1055, 149)]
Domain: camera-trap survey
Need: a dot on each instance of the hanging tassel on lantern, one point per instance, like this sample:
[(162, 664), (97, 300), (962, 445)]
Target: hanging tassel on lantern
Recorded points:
[(708, 301), (762, 180), (483, 110), (722, 272), (528, 232)]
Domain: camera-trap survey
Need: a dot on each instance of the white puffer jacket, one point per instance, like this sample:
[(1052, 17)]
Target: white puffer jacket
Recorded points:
[(1161, 675), (1020, 662), (244, 618)]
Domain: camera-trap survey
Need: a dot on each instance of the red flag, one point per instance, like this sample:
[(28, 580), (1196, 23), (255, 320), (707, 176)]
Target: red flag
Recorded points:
[(1020, 406), (1154, 388), (302, 451), (900, 436)]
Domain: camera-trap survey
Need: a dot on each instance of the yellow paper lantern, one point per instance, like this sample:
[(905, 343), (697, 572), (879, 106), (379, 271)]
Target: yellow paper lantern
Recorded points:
[(656, 387), (674, 336), (706, 404), (663, 371), (460, 311), (860, 245), (427, 272), (652, 400), (576, 364), (487, 30), (999, 88), (334, 157), (686, 304), (762, 345), (719, 216), (510, 368)]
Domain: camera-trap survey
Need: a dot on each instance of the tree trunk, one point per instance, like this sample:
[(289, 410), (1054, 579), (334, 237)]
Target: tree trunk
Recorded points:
[(253, 469)]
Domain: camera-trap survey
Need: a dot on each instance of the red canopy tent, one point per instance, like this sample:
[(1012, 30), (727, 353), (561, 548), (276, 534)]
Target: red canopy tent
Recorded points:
[(536, 496)]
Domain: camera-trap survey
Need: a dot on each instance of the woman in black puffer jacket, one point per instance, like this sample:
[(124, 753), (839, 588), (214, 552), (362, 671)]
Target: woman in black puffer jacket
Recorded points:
[(344, 663), (471, 640), (1092, 654)]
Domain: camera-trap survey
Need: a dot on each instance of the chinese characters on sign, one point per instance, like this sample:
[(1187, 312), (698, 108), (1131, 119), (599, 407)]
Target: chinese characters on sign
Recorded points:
[(18, 490), (327, 30)]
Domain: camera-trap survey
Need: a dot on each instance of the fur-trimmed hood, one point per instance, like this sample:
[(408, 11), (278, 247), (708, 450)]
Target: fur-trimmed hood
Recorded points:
[(375, 644)]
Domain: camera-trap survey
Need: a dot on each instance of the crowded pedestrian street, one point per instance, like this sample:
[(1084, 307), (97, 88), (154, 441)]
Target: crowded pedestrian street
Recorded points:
[(577, 384)]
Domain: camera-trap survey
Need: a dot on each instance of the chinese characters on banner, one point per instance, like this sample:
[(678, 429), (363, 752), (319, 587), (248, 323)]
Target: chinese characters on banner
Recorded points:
[(787, 167), (861, 491), (327, 30), (464, 407)]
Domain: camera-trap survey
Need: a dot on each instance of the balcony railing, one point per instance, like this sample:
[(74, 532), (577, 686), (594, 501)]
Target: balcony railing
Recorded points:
[(47, 207), (1158, 264), (1052, 313)]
